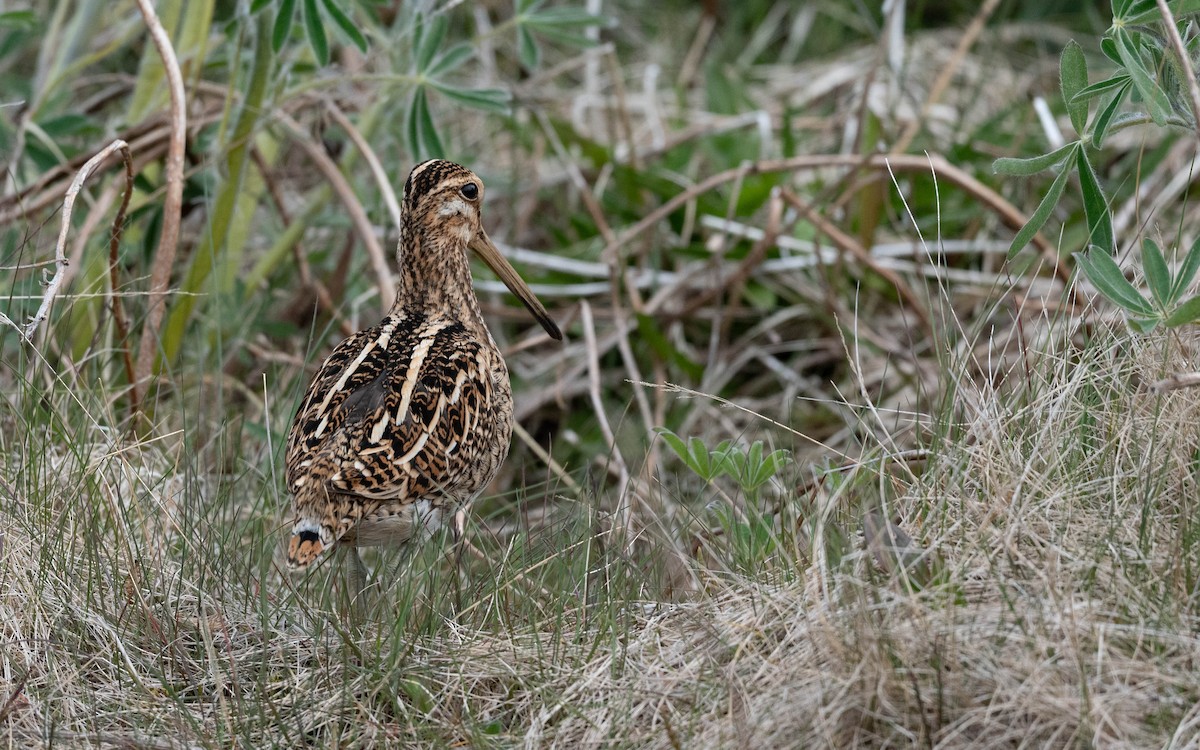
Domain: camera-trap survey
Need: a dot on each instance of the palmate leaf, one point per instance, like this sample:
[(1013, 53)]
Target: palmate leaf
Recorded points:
[(283, 24), (1025, 167), (423, 139), (1095, 205), (527, 48), (1154, 97), (1106, 275), (1188, 312), (1187, 272), (1158, 276), (1041, 215), (316, 32), (1105, 117), (1073, 78), (487, 100), (346, 24)]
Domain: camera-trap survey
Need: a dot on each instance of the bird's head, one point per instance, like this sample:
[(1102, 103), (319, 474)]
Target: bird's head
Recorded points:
[(442, 214)]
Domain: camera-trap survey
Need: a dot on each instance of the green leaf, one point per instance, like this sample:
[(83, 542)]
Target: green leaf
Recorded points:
[(699, 459), (1109, 47), (1187, 272), (1039, 216), (258, 5), (1106, 275), (1158, 276), (450, 60), (528, 6), (674, 441), (488, 100), (527, 49), (1096, 89), (430, 40), (1188, 312), (316, 32), (1095, 205), (562, 17), (1025, 167), (1073, 78), (18, 19), (346, 24), (283, 24), (1136, 9), (1154, 97), (423, 135), (1104, 118), (1144, 325)]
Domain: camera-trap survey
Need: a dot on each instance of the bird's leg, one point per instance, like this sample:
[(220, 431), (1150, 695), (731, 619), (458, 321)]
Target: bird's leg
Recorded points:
[(459, 527), (356, 579)]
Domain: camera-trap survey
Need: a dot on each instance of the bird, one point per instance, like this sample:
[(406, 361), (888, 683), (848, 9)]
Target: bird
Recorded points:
[(408, 421)]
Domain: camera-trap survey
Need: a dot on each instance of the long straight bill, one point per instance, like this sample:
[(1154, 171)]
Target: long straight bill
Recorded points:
[(490, 254)]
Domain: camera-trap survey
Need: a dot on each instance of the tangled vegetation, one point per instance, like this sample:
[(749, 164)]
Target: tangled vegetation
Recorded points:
[(840, 449)]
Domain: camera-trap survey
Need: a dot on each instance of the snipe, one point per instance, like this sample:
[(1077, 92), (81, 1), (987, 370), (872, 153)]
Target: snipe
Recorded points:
[(408, 421)]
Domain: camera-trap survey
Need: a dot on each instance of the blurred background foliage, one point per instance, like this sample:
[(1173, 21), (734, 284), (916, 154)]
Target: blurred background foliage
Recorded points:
[(583, 118)]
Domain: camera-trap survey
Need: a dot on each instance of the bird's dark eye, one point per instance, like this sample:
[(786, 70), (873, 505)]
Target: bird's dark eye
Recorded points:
[(470, 191)]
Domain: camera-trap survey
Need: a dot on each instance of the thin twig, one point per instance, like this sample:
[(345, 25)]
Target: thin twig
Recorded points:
[(593, 368), (965, 42), (164, 257), (860, 253), (368, 153), (1185, 61), (60, 257), (324, 299), (1009, 214), (358, 216), (114, 247)]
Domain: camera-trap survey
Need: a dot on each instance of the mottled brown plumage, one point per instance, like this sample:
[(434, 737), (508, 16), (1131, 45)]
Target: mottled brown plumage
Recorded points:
[(407, 421)]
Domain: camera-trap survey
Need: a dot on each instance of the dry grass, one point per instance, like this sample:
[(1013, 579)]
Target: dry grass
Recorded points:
[(1060, 521), (1048, 596)]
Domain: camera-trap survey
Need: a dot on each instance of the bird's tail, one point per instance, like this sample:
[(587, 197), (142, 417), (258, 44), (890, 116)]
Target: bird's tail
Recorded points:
[(321, 519)]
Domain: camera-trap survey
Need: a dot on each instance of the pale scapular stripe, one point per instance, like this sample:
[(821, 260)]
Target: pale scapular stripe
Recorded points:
[(384, 337), (420, 351)]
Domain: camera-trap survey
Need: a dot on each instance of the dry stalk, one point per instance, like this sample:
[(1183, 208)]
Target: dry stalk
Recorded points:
[(593, 368), (965, 42), (164, 258), (324, 299), (60, 257), (1009, 214), (368, 153), (850, 245), (114, 247), (358, 215)]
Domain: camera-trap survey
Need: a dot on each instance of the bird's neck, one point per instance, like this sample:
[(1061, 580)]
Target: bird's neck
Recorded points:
[(435, 280)]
